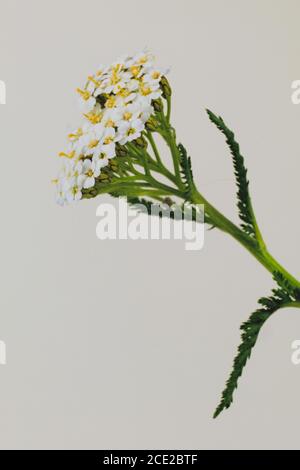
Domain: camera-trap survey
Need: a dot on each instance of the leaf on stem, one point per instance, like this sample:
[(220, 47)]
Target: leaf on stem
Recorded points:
[(244, 202), (280, 297), (166, 208), (186, 171), (284, 284)]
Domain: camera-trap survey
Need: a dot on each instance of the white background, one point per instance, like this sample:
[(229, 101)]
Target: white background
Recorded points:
[(128, 344)]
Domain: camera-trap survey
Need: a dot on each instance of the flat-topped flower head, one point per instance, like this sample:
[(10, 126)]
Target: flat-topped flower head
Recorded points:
[(116, 103)]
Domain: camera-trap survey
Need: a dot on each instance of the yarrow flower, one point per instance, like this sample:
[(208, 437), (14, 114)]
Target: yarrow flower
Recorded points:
[(114, 151), (116, 103)]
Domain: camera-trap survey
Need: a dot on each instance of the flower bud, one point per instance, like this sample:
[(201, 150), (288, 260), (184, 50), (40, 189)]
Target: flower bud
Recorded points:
[(168, 201), (141, 142), (113, 165), (104, 177), (101, 99), (165, 86), (157, 105), (152, 124), (121, 150)]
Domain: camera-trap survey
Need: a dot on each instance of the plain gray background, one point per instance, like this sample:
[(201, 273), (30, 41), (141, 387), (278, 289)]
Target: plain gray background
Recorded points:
[(124, 344)]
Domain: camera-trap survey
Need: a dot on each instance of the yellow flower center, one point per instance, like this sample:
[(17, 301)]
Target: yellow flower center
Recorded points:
[(110, 123), (94, 81), (85, 94), (131, 131), (108, 140), (117, 68), (94, 118), (89, 173), (67, 155), (135, 70), (127, 116), (110, 102), (143, 60), (145, 90), (93, 143), (115, 77), (76, 135), (123, 93), (155, 75)]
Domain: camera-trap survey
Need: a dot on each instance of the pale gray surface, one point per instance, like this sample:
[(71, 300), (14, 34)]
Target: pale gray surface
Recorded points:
[(128, 344)]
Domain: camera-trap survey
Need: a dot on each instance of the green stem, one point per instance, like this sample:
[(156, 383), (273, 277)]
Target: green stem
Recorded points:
[(168, 109), (168, 135), (256, 228), (154, 148), (292, 305), (146, 184), (256, 247), (261, 254), (157, 166)]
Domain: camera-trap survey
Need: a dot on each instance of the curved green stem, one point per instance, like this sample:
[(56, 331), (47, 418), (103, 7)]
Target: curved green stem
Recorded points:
[(144, 184), (261, 254), (292, 305), (256, 247)]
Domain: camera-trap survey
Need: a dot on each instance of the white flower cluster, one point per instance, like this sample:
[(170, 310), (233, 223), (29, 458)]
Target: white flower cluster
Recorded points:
[(116, 104)]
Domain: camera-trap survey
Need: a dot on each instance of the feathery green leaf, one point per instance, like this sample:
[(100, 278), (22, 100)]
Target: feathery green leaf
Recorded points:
[(250, 331), (167, 209), (284, 284), (186, 171), (244, 201)]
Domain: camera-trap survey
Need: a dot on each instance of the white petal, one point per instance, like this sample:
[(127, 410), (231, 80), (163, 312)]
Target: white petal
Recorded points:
[(89, 182), (80, 180), (86, 165), (78, 196), (103, 162)]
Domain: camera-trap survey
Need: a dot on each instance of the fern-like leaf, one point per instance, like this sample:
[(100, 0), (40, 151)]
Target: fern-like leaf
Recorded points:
[(244, 202), (165, 210), (284, 284), (135, 202), (186, 171), (250, 331)]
